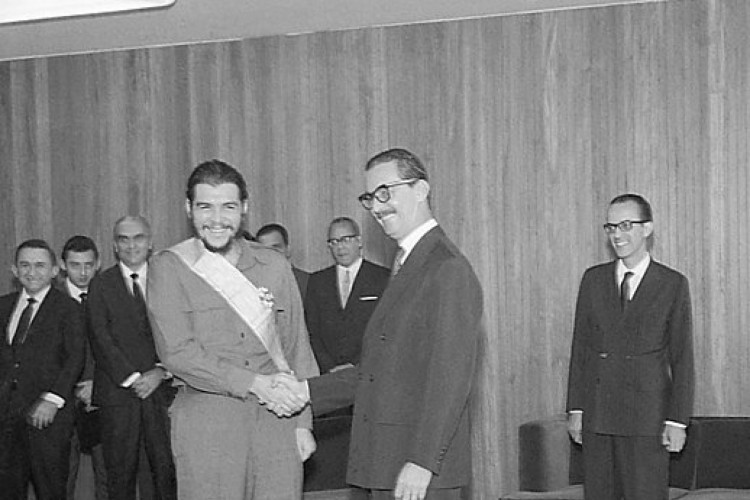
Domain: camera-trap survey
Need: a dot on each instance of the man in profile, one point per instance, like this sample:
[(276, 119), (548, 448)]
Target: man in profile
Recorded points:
[(342, 297), (410, 432), (41, 358), (227, 315), (277, 237), (131, 388), (80, 263), (630, 387)]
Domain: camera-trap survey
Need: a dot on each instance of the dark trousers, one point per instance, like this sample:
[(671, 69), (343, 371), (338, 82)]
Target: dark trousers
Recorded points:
[(124, 429), (32, 455), (625, 467)]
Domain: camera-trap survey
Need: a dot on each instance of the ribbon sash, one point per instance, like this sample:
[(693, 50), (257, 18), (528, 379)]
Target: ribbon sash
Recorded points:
[(241, 295)]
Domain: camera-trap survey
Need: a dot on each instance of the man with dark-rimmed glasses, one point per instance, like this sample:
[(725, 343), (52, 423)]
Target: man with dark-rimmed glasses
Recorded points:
[(410, 431), (630, 387)]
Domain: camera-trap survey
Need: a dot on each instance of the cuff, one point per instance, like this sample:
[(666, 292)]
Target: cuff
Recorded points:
[(130, 380), (54, 399)]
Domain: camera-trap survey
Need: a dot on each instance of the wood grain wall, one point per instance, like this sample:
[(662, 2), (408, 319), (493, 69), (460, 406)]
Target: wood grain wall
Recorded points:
[(528, 124)]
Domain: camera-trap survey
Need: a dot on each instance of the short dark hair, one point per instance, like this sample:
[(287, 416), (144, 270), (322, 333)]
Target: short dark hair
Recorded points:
[(644, 207), (409, 166), (36, 243), (274, 228), (79, 244), (345, 220), (215, 172)]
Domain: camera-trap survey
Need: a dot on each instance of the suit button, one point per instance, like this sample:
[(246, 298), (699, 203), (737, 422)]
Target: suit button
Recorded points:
[(16, 365), (372, 379), (242, 335), (604, 355)]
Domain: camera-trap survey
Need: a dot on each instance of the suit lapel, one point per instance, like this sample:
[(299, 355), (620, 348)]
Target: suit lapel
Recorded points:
[(42, 313), (410, 270), (7, 311)]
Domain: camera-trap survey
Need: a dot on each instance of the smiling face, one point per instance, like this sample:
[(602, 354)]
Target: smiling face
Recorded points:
[(216, 212), (132, 242), (35, 269), (407, 207), (630, 246)]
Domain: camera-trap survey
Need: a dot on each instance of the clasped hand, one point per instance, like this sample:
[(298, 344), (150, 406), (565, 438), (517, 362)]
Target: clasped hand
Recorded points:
[(282, 393)]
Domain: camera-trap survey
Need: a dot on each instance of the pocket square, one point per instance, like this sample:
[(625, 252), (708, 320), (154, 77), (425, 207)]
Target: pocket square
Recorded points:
[(369, 297)]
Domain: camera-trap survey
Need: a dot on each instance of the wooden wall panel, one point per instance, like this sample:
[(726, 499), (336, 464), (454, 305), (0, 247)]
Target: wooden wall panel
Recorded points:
[(529, 125)]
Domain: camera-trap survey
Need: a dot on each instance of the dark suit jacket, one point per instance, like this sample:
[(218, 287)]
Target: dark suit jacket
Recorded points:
[(121, 339), (630, 372), (88, 364), (302, 278), (417, 371), (49, 360), (336, 332)]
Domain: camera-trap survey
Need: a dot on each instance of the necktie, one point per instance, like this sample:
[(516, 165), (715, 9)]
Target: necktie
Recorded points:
[(625, 291), (82, 298), (397, 262), (23, 324), (137, 292), (346, 287)]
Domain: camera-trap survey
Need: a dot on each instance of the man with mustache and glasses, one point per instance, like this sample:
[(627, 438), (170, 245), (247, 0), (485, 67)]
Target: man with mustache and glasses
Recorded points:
[(630, 387), (227, 315), (410, 431)]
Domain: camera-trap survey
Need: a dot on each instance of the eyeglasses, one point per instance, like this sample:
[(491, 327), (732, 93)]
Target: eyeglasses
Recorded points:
[(624, 226), (344, 240), (381, 193)]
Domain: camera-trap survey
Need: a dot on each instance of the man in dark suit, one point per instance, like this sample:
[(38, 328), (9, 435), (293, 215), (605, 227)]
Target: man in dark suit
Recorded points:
[(41, 357), (630, 387), (80, 263), (341, 298), (410, 432), (277, 237), (130, 386)]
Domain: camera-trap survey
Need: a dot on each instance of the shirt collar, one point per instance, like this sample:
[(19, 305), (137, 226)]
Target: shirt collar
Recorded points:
[(638, 271), (353, 269), (73, 290), (142, 271), (39, 296), (411, 240)]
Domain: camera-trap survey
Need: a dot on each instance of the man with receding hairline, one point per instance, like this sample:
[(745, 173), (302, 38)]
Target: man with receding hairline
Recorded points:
[(131, 387), (410, 431)]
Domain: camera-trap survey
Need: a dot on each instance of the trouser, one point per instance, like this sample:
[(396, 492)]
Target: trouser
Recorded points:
[(625, 467), (39, 456), (233, 450), (124, 430)]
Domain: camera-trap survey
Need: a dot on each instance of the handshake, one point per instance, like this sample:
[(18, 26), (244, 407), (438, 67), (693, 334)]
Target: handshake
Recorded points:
[(281, 393)]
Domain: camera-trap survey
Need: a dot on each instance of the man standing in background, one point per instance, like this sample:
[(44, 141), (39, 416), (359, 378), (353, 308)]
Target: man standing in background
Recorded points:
[(41, 358), (130, 386), (630, 387), (277, 237), (341, 298), (80, 262)]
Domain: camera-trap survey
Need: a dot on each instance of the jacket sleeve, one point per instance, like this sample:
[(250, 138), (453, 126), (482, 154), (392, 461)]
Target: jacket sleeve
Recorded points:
[(681, 355), (450, 371), (577, 367)]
